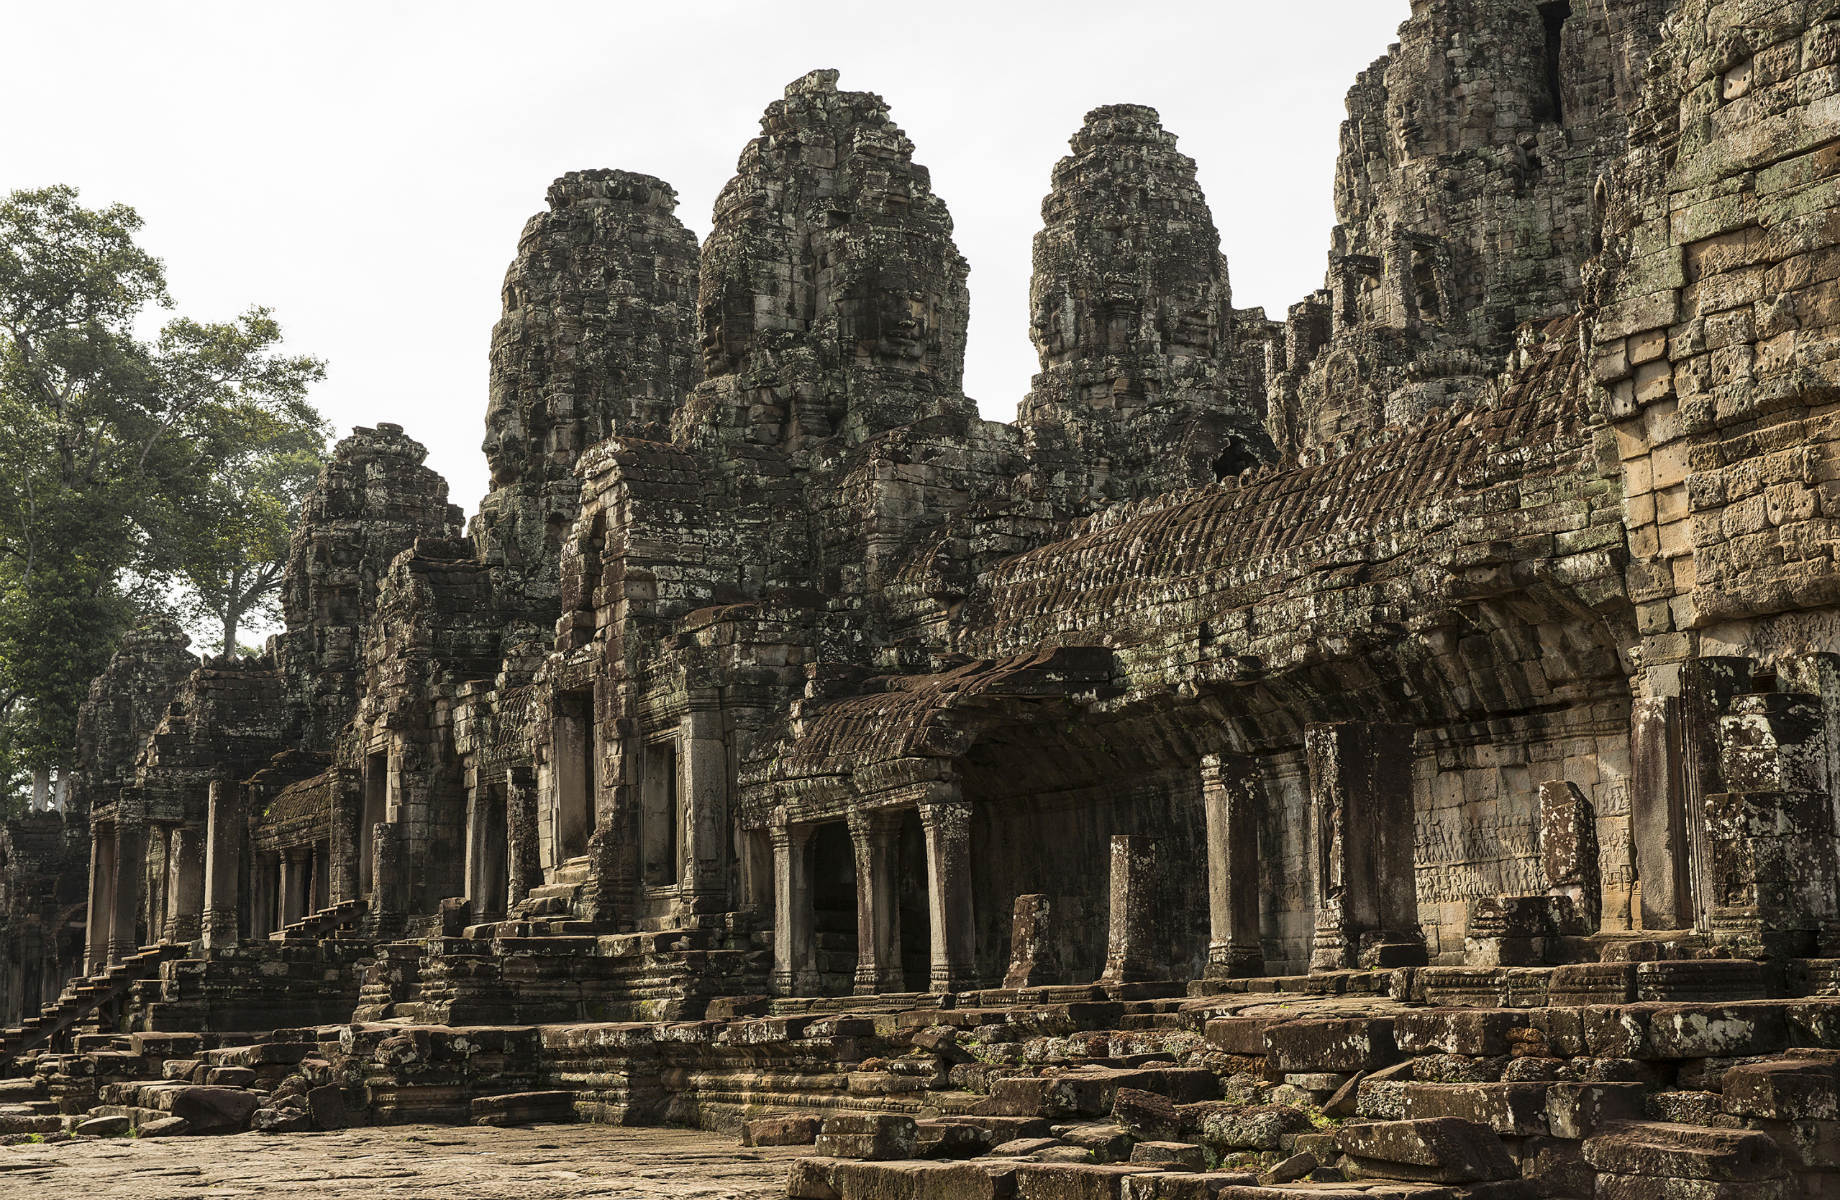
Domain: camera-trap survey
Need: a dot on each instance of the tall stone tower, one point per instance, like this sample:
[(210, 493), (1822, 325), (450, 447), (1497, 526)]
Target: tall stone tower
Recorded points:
[(597, 337), (1132, 315)]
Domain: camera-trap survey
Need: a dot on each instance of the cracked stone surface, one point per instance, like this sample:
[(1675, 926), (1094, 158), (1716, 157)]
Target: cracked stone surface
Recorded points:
[(555, 1162)]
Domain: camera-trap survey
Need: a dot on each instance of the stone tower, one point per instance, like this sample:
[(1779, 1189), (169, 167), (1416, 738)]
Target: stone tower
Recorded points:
[(597, 337), (833, 299), (1132, 315)]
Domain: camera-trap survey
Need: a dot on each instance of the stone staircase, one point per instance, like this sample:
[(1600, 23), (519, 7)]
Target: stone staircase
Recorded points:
[(334, 921), (83, 997)]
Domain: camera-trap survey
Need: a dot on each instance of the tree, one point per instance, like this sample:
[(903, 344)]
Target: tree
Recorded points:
[(116, 449)]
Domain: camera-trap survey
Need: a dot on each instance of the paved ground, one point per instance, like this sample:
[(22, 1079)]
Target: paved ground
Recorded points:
[(404, 1162)]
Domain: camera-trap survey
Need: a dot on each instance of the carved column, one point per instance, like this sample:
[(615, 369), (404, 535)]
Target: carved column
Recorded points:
[(524, 866), (1235, 801), (704, 777), (130, 871), (878, 930), (101, 898), (1132, 954), (1657, 812), (224, 833), (1362, 823), (186, 850), (347, 849), (793, 969), (293, 885), (947, 825), (1032, 961), (389, 880)]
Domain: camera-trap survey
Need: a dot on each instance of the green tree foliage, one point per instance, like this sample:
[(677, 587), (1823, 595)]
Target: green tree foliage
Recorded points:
[(131, 466)]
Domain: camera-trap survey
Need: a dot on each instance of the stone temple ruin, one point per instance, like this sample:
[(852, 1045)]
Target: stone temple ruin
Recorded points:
[(1393, 752)]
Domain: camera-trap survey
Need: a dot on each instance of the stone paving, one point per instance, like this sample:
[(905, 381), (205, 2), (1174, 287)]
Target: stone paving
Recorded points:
[(407, 1162)]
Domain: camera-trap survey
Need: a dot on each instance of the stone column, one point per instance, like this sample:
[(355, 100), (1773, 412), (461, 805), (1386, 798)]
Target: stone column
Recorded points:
[(158, 856), (347, 838), (793, 970), (187, 857), (1657, 812), (878, 930), (1568, 854), (293, 885), (1235, 801), (130, 871), (1770, 836), (478, 842), (1032, 960), (947, 825), (224, 832), (389, 880), (1362, 823), (524, 865), (1131, 951), (101, 898), (703, 777)]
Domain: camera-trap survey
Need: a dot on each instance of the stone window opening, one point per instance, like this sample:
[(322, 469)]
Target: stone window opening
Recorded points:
[(1425, 286), (831, 866), (1553, 15), (661, 815)]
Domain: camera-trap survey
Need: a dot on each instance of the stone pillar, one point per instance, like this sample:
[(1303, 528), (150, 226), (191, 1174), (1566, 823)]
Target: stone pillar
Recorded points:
[(1132, 953), (158, 852), (186, 889), (946, 823), (130, 871), (524, 866), (1568, 853), (878, 929), (101, 898), (293, 885), (1769, 836), (1657, 813), (1235, 801), (1032, 960), (1362, 825), (224, 832), (389, 880), (794, 972), (704, 779), (1708, 687), (347, 849), (478, 848)]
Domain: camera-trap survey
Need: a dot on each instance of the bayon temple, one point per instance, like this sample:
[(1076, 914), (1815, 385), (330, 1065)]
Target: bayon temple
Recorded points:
[(1393, 750)]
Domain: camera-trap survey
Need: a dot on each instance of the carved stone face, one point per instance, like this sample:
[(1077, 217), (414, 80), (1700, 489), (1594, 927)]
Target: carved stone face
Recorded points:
[(504, 440)]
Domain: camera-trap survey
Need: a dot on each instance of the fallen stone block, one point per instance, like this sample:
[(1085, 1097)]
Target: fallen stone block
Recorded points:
[(214, 1109), (1072, 1181), (1787, 1090), (1510, 1108), (877, 1137), (326, 1107), (922, 1180), (164, 1127), (1170, 1156), (1440, 1150), (781, 1131), (1146, 1115), (102, 1127), (1340, 1046), (1684, 1152), (523, 1108), (1259, 1128)]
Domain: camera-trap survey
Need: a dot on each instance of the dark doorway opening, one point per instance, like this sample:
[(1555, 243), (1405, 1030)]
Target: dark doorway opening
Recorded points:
[(833, 903)]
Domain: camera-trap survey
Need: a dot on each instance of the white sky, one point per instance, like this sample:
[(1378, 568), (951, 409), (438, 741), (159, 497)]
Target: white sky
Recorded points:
[(364, 168)]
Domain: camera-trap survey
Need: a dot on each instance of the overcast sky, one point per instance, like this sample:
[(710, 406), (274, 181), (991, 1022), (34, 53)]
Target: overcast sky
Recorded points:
[(364, 168)]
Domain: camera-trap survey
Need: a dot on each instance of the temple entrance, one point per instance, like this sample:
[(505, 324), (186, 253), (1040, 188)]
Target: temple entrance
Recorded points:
[(833, 903), (916, 947)]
